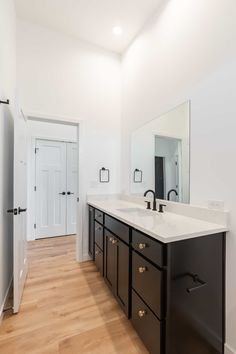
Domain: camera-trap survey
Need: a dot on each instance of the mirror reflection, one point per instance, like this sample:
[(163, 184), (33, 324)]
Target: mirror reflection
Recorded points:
[(160, 156)]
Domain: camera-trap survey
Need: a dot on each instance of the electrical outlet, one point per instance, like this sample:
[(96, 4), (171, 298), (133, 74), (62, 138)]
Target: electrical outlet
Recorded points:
[(216, 204)]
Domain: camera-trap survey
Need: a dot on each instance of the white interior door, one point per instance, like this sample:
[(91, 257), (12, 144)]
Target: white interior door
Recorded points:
[(20, 201), (50, 188), (71, 188)]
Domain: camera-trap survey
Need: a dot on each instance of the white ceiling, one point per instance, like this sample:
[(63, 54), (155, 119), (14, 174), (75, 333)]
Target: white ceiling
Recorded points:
[(91, 20)]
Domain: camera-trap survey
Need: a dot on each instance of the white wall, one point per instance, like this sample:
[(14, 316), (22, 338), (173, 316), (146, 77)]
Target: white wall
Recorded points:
[(44, 130), (7, 91), (188, 52), (54, 131), (62, 76)]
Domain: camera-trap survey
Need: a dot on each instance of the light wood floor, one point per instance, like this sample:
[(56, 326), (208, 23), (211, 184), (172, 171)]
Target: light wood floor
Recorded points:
[(66, 308)]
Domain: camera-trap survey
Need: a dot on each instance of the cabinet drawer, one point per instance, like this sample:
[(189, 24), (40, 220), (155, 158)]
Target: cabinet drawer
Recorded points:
[(146, 325), (99, 259), (118, 228), (147, 281), (153, 250), (99, 235), (99, 216)]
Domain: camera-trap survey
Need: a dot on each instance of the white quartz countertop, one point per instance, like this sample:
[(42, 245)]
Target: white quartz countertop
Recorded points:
[(165, 227)]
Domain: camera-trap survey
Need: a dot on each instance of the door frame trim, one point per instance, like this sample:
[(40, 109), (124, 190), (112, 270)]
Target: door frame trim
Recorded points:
[(81, 193)]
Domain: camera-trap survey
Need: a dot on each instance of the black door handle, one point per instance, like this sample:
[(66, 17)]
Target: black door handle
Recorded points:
[(13, 211), (69, 193), (63, 193), (21, 210)]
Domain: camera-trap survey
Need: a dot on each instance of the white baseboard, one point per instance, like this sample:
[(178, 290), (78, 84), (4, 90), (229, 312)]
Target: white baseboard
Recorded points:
[(5, 300), (229, 350), (86, 257)]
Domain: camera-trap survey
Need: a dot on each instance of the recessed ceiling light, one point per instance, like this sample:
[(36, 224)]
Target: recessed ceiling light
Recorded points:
[(117, 31)]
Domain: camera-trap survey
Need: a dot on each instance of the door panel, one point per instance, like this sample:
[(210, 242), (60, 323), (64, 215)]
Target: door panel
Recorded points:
[(110, 260), (122, 291), (51, 183), (44, 198), (71, 187), (20, 200)]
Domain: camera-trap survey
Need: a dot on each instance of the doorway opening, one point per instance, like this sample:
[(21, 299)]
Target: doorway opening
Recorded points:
[(168, 168), (30, 134), (53, 177)]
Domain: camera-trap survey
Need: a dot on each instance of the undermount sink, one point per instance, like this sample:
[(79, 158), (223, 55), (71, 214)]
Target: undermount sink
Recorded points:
[(139, 211)]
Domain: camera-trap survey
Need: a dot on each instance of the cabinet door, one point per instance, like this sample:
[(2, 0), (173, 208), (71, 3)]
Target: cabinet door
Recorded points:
[(91, 232), (122, 275), (117, 269), (98, 255), (110, 260)]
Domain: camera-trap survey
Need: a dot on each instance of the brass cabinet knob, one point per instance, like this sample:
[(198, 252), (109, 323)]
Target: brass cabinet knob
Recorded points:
[(114, 241), (142, 269), (97, 253), (111, 239), (141, 246), (142, 313)]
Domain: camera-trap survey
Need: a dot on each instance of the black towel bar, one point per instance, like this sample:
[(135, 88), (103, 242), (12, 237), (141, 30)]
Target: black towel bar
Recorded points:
[(5, 102)]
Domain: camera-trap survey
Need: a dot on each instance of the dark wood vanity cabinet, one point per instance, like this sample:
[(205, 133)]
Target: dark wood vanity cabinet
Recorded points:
[(173, 293)]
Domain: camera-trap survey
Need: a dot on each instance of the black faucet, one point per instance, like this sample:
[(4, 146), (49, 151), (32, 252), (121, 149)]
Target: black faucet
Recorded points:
[(154, 207), (169, 193)]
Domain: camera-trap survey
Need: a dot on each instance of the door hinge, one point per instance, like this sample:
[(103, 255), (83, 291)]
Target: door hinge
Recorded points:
[(35, 188), (34, 226)]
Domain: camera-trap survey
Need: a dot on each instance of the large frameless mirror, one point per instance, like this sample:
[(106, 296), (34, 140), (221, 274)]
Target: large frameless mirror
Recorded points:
[(160, 154)]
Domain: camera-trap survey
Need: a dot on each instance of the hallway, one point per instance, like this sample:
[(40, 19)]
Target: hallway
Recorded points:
[(66, 308)]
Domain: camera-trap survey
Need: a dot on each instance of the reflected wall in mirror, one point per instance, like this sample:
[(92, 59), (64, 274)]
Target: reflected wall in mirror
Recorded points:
[(160, 149)]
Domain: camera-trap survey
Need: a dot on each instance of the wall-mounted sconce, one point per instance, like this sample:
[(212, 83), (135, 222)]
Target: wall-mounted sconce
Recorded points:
[(104, 175), (138, 176)]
